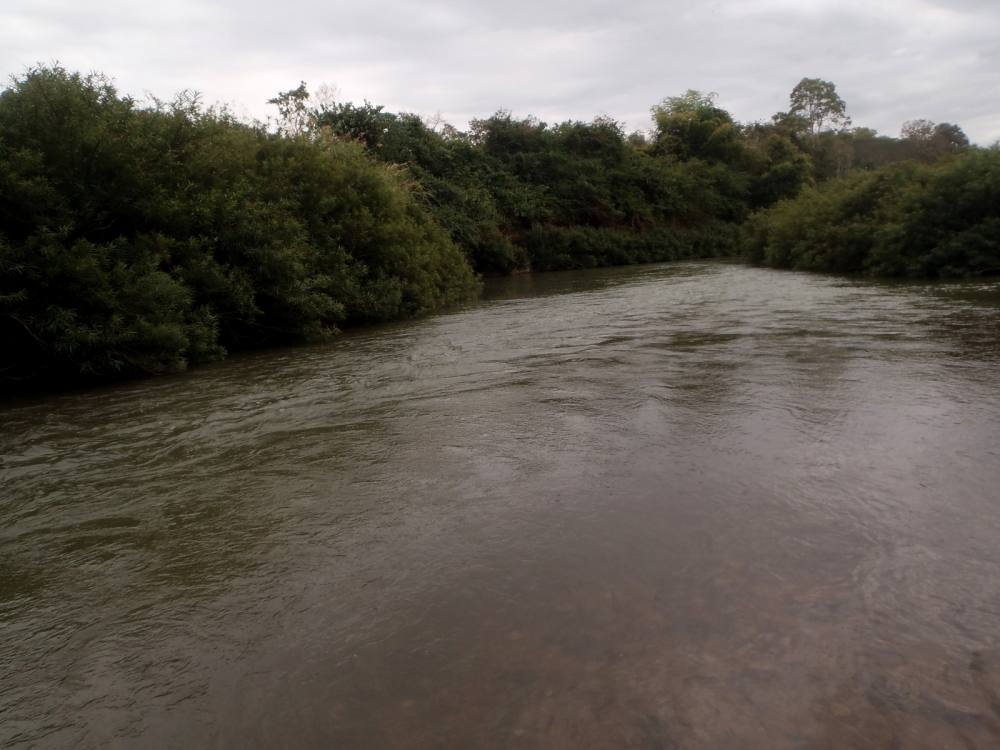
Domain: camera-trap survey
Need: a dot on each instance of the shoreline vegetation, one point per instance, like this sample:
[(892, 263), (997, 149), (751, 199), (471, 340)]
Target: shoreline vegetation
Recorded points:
[(144, 238)]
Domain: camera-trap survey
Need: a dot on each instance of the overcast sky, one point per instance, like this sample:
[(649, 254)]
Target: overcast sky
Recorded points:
[(891, 60)]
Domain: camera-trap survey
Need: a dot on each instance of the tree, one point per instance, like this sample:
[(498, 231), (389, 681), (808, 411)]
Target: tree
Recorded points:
[(138, 240), (366, 122), (789, 125), (293, 109), (783, 172), (816, 101), (950, 137), (691, 126), (931, 141), (917, 130)]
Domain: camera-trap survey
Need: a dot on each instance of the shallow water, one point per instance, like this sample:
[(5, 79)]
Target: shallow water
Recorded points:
[(677, 506)]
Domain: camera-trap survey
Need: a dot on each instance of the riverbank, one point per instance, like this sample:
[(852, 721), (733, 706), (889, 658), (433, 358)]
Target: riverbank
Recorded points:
[(144, 239), (904, 221)]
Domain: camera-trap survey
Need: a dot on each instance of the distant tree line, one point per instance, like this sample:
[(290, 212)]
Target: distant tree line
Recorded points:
[(924, 205), (143, 238), (906, 220)]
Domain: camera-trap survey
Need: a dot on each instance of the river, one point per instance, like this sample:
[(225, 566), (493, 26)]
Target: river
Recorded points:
[(676, 506)]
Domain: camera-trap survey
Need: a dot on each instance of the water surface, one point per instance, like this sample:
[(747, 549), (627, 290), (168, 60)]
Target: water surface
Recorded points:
[(678, 506)]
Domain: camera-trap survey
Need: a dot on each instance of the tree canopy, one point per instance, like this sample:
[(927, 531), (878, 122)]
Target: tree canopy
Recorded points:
[(139, 238), (816, 103)]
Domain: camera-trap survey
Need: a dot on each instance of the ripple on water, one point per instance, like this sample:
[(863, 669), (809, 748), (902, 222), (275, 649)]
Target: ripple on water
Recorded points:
[(693, 505)]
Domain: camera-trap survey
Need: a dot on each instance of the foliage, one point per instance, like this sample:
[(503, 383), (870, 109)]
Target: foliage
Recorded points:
[(508, 182), (913, 220), (929, 141), (693, 127), (816, 103), (141, 239)]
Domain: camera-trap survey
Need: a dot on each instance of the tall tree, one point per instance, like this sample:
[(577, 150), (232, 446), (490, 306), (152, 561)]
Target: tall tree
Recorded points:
[(293, 110), (816, 101)]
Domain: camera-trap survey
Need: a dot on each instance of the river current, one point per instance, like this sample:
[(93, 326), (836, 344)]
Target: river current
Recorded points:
[(677, 506)]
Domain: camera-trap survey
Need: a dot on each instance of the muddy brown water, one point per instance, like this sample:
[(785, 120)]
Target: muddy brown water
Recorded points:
[(677, 506)]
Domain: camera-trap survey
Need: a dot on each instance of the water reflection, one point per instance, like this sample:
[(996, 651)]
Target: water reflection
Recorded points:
[(694, 506)]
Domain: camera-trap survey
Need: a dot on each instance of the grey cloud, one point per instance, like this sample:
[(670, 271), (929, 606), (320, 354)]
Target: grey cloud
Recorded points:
[(891, 61)]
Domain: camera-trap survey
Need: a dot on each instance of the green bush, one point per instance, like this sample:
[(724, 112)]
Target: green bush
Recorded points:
[(138, 240), (905, 220)]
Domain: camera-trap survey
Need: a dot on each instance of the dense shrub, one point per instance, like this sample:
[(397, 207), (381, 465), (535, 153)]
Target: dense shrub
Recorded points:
[(910, 220), (139, 240), (509, 185)]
